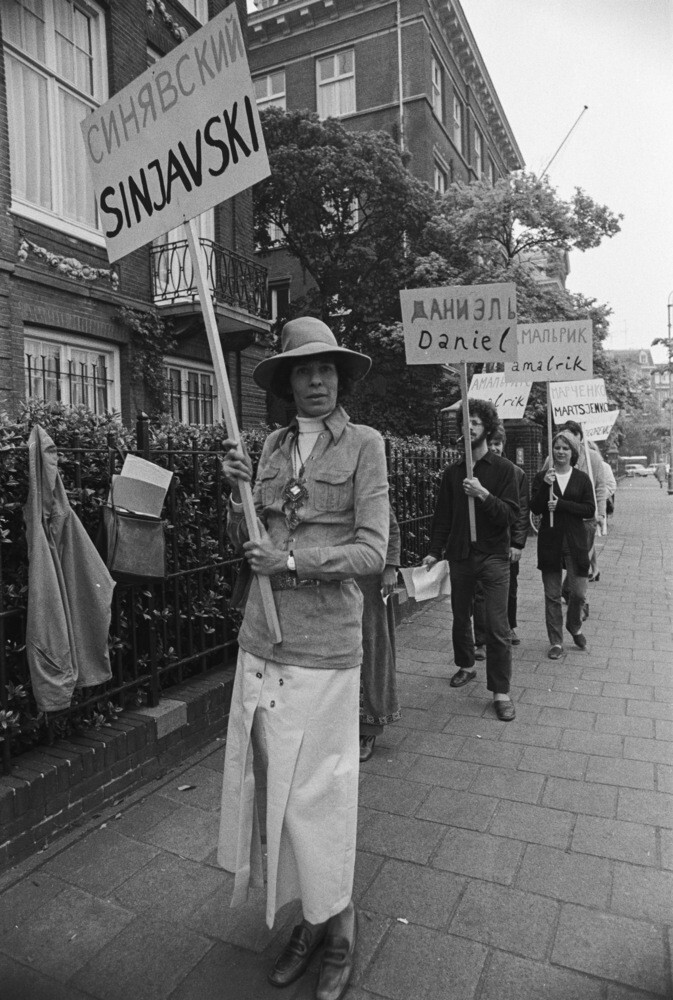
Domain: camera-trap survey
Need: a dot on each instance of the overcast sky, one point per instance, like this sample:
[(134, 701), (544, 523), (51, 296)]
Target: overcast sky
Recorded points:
[(547, 59)]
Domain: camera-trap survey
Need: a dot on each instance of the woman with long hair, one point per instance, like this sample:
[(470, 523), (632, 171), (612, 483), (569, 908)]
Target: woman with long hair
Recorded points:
[(565, 492)]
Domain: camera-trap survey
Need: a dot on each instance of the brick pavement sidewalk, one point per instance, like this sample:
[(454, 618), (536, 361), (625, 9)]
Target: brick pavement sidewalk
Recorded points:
[(496, 861)]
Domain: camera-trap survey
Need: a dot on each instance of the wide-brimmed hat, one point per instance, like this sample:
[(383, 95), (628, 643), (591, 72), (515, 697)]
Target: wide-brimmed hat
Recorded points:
[(304, 337)]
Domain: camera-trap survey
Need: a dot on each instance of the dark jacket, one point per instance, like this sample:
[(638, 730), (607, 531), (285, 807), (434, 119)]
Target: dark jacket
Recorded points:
[(576, 504), (519, 530)]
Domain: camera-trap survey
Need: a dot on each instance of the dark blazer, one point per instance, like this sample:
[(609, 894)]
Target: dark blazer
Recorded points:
[(519, 530), (576, 504)]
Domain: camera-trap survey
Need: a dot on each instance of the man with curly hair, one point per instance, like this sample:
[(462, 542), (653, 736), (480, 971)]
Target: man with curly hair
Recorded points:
[(484, 561)]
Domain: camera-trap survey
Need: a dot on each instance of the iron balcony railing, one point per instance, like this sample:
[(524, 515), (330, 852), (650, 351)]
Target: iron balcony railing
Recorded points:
[(234, 279)]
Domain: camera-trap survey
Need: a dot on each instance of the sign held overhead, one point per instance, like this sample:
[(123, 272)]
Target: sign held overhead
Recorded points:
[(553, 352), (509, 398), (459, 323), (184, 136)]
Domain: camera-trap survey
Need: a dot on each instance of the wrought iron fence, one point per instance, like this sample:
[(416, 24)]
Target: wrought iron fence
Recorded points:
[(162, 633), (239, 281)]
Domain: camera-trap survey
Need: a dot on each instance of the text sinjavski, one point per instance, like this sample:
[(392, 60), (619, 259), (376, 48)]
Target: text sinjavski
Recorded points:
[(216, 143), (457, 309)]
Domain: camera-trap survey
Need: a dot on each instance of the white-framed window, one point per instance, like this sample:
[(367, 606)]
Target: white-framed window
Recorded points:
[(70, 369), (478, 152), (441, 179), (270, 89), (197, 8), (437, 93), (56, 66), (492, 172), (192, 392), (335, 82), (279, 297), (457, 124)]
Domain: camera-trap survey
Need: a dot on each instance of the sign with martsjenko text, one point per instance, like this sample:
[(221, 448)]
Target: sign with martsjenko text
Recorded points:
[(182, 137), (509, 398), (580, 400), (459, 323), (553, 352)]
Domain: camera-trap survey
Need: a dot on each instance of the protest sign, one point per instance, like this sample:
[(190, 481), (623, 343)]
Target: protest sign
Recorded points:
[(459, 323), (553, 352), (509, 398), (182, 137), (600, 431), (578, 400)]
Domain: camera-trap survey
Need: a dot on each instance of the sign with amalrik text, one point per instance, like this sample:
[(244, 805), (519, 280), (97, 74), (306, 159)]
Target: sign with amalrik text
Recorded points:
[(509, 398), (184, 136), (553, 352), (459, 323)]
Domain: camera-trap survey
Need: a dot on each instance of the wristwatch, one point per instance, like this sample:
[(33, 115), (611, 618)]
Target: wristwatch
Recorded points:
[(291, 564)]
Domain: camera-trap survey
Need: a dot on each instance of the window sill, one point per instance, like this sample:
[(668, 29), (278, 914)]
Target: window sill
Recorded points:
[(52, 221)]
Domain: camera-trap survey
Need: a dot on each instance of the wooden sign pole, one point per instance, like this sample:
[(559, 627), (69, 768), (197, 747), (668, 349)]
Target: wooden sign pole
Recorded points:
[(549, 451), (227, 404), (467, 440)]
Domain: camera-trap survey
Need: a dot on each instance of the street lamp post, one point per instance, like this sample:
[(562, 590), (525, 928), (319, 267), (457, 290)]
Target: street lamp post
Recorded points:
[(669, 347)]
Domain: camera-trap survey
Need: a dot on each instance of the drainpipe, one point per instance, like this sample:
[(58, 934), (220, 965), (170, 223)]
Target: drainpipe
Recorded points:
[(400, 81)]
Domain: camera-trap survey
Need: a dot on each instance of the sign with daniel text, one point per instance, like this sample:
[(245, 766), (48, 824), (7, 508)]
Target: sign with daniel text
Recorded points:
[(184, 136), (459, 323), (509, 398), (553, 352)]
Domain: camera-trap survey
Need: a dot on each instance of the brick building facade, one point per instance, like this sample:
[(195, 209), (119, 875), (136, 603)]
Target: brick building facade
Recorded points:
[(346, 58), (61, 336)]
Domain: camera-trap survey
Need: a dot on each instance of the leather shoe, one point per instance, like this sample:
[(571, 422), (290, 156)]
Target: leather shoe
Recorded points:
[(555, 652), (462, 677), (514, 638), (337, 961), (296, 955), (580, 640), (366, 747), (505, 710), (480, 652)]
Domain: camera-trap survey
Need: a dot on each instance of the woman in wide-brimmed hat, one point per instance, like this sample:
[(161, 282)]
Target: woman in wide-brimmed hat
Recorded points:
[(321, 493)]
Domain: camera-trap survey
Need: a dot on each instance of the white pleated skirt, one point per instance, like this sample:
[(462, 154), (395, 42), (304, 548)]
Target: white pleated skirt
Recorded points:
[(303, 725)]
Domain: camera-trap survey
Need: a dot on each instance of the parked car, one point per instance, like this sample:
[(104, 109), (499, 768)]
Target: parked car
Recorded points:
[(636, 469)]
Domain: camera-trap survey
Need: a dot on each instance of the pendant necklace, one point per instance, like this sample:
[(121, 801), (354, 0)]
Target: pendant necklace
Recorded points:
[(295, 493)]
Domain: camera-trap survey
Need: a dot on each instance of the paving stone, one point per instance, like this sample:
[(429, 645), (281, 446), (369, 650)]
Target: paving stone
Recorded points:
[(401, 837), (392, 794), (560, 763), (531, 735), (606, 706), (170, 887), (644, 692), (156, 956), (100, 861), (663, 729), (19, 982), (577, 686), (490, 752), (454, 808), (433, 744), (486, 726), (188, 832), (418, 719), (666, 840), (21, 901), (612, 838), (509, 977), (645, 807), (506, 918), (625, 725), (599, 744), (620, 772), (244, 973), (367, 867), (142, 816), (494, 859), (534, 824), (580, 797), (415, 963), (616, 992), (566, 876), (392, 763), (420, 895), (616, 948), (565, 719), (506, 783), (658, 751), (643, 893), (438, 771), (65, 933), (243, 925), (649, 709), (663, 778), (206, 793)]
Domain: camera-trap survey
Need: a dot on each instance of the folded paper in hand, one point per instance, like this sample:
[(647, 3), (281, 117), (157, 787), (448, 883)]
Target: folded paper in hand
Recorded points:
[(141, 487), (422, 583)]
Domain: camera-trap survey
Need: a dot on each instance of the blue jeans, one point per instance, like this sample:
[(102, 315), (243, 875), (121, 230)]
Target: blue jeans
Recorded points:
[(492, 574), (576, 586)]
